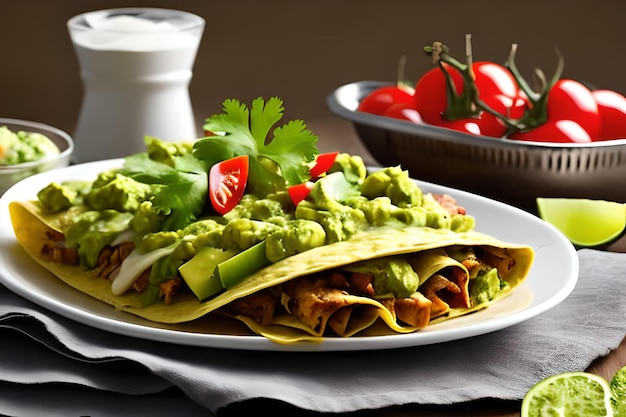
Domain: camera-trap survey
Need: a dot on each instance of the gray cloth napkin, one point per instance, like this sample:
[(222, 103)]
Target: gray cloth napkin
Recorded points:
[(501, 365)]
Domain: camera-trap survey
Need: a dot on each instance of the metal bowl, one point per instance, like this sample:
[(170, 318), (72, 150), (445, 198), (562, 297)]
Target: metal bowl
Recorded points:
[(514, 172), (11, 174)]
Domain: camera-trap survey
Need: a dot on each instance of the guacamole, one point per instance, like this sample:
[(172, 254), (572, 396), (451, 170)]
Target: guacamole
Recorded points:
[(341, 203), (393, 276), (486, 286), (20, 147)]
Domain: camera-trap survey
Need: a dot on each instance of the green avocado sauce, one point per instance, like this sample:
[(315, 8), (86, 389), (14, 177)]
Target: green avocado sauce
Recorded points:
[(485, 286), (393, 276), (20, 146), (91, 231), (188, 241), (344, 201), (485, 283)]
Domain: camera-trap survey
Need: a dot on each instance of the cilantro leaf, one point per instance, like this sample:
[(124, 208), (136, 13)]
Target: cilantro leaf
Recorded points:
[(279, 155), (179, 191)]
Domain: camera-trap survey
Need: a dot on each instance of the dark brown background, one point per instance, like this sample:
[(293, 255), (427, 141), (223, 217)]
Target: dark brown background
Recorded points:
[(302, 50)]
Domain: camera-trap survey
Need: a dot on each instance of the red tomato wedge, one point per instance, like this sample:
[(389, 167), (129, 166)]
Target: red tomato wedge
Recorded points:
[(227, 183), (300, 191), (323, 162)]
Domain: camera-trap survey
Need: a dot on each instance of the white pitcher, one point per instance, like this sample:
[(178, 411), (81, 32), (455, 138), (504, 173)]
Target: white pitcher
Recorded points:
[(136, 65)]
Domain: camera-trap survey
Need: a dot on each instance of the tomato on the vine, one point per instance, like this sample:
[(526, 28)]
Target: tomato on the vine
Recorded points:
[(612, 109), (227, 183), (430, 99), (571, 100), (560, 131), (492, 79), (379, 100), (486, 98), (497, 88), (510, 107)]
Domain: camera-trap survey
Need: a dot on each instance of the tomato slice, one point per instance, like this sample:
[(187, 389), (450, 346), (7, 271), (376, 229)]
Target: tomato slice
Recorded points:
[(323, 162), (299, 192), (227, 183)]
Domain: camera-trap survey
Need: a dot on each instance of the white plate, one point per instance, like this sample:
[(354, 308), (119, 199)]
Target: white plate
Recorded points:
[(552, 278)]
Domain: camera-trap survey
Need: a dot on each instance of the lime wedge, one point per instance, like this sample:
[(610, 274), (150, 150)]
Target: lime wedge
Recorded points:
[(584, 222), (567, 395)]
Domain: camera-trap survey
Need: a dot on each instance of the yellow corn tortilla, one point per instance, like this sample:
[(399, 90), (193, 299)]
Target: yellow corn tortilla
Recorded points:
[(31, 225)]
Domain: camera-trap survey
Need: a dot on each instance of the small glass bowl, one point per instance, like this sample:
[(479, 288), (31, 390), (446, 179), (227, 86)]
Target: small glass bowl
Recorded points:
[(12, 174)]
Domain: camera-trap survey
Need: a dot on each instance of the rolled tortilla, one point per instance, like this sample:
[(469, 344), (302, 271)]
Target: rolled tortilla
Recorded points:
[(34, 228)]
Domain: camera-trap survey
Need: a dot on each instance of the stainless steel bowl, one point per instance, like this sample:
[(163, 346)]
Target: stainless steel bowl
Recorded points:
[(515, 172), (11, 174)]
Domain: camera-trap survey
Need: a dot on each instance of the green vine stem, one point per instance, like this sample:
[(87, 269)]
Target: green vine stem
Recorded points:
[(536, 113), (467, 103)]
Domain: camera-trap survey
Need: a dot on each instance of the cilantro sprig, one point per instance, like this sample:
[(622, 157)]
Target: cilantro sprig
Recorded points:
[(179, 191), (279, 156)]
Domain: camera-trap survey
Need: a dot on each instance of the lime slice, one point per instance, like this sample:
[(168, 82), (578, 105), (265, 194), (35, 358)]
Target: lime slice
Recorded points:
[(584, 222), (618, 388), (567, 395)]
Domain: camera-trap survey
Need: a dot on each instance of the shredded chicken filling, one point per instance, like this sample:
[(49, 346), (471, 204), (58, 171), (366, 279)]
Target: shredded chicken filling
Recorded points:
[(319, 301), (109, 261)]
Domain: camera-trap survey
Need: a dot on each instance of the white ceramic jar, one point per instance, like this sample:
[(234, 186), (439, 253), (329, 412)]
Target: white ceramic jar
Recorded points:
[(136, 65)]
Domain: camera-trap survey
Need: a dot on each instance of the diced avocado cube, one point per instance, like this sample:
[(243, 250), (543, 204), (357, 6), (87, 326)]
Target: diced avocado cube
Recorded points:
[(234, 270), (199, 271)]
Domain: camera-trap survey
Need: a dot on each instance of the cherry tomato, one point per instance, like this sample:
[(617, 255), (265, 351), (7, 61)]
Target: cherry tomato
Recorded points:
[(462, 125), (561, 131), (404, 111), (492, 79), (496, 87), (510, 107), (612, 108), (323, 162), (571, 100), (299, 192), (380, 99), (430, 93), (227, 183)]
